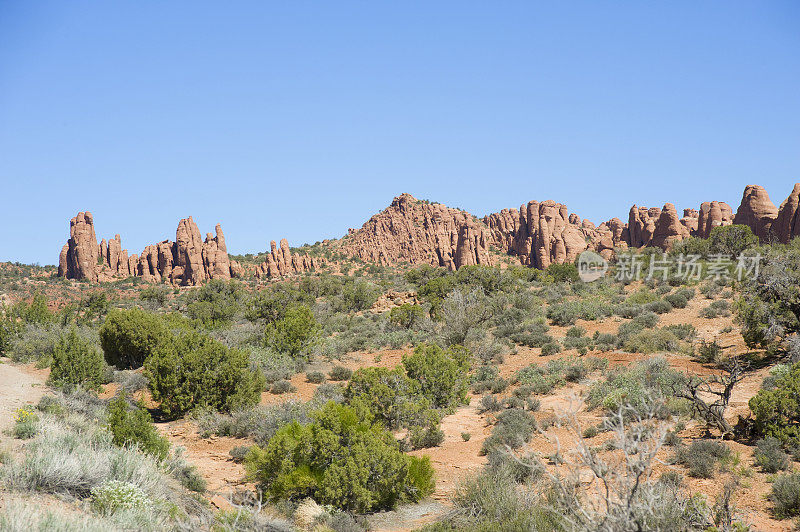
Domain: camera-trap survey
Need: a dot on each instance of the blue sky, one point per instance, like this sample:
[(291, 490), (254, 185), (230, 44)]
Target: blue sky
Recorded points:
[(301, 119)]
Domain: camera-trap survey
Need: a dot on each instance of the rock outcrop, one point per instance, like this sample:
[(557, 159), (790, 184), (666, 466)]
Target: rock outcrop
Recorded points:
[(281, 262), (787, 225), (668, 228), (187, 261), (756, 211), (540, 234), (79, 257), (712, 214), (418, 232)]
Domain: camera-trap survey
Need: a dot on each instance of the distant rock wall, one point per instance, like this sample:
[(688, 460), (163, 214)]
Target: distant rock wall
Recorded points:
[(542, 233), (281, 262), (188, 261), (418, 232)]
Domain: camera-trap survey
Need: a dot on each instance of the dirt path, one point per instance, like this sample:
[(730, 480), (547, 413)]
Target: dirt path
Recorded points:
[(19, 386)]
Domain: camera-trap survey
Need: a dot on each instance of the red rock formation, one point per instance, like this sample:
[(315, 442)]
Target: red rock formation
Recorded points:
[(540, 234), (281, 262), (80, 255), (187, 261), (787, 225), (414, 231), (668, 228), (712, 214), (756, 211)]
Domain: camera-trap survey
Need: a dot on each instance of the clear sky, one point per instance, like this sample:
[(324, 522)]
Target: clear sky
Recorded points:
[(301, 119)]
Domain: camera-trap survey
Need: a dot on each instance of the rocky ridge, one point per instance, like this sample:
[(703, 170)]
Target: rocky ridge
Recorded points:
[(542, 233), (281, 262), (420, 232), (416, 232), (187, 261)]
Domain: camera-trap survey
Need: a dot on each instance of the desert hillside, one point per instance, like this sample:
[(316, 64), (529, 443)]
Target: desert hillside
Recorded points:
[(373, 394)]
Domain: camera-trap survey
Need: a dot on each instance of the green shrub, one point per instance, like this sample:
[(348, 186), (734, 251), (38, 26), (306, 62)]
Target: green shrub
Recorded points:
[(590, 432), (637, 386), (36, 312), (551, 348), (532, 339), (562, 314), (489, 403), (702, 457), (339, 459), (709, 352), (677, 300), (513, 429), (466, 436), (443, 375), (392, 396), (785, 495), (114, 495), (769, 455), (195, 371), (315, 377), (133, 426), (25, 423), (281, 387), (731, 240), (717, 308), (646, 319), (575, 332), (356, 295), (340, 373), (426, 437), (659, 307), (682, 331), (561, 273), (128, 337), (238, 453), (76, 362), (294, 333), (189, 477), (8, 330), (406, 315), (216, 303), (777, 410), (259, 423)]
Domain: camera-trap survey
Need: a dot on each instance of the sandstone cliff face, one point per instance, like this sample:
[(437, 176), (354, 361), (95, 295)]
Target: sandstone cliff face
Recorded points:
[(79, 256), (787, 225), (540, 234), (416, 232), (281, 262), (712, 214), (413, 231), (756, 211), (187, 261)]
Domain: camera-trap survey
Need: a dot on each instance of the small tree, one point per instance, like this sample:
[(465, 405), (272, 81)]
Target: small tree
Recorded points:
[(195, 371), (341, 459), (293, 333), (128, 337), (777, 410), (731, 240), (443, 375), (216, 302), (76, 362)]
